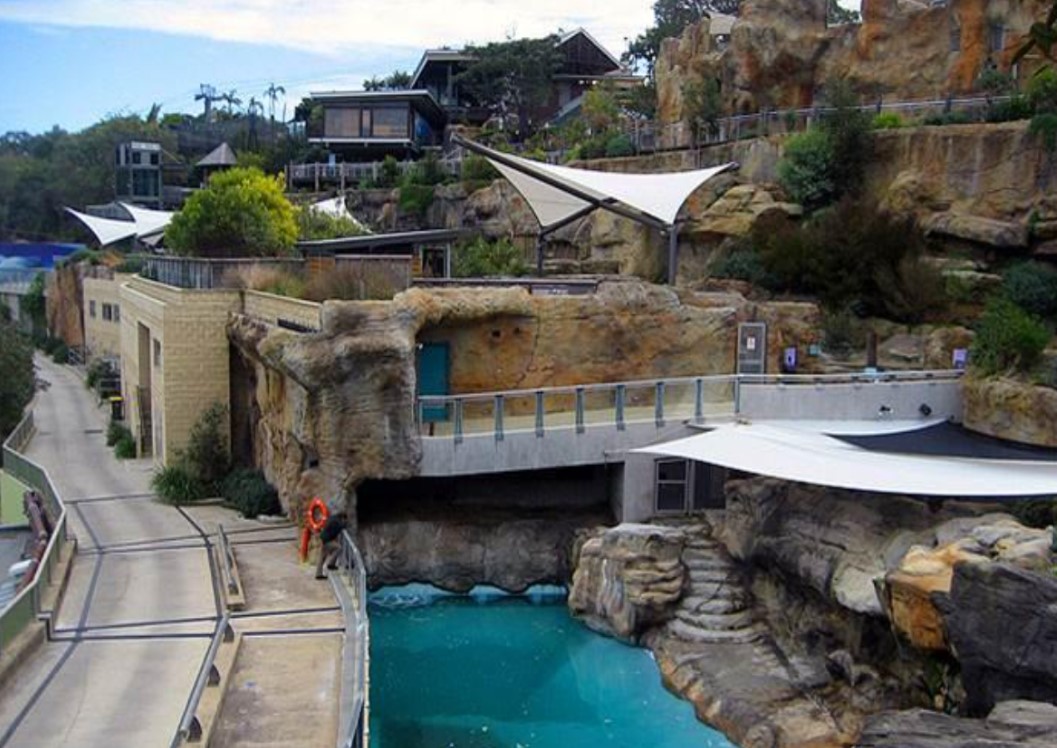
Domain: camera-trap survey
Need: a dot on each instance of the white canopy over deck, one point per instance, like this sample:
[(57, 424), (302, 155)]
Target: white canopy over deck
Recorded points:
[(145, 224)]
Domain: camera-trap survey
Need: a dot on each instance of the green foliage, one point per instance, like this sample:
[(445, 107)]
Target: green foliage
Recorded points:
[(618, 146), (852, 255), (1042, 90), (415, 199), (398, 80), (482, 258), (389, 173), (947, 118), (427, 171), (478, 169), (33, 302), (1033, 287), (91, 256), (249, 491), (1007, 339), (125, 446), (241, 212), (842, 332), (315, 224), (206, 456), (61, 354), (17, 378), (1044, 126), (131, 264), (513, 77), (670, 18), (805, 169), (887, 121), (1010, 110), (600, 109), (96, 371), (176, 484), (702, 106), (742, 263), (1039, 514), (838, 15), (114, 433)]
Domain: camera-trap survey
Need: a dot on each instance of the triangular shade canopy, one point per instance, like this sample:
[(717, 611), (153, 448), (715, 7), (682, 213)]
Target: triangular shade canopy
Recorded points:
[(335, 207), (558, 193), (798, 455), (148, 221), (106, 230)]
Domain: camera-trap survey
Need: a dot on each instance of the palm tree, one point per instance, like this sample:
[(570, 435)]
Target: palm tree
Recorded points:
[(272, 94), (232, 100)]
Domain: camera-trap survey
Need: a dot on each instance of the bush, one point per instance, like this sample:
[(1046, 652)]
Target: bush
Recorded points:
[(313, 224), (176, 484), (805, 169), (206, 456), (114, 432), (887, 121), (477, 169), (1044, 127), (17, 377), (249, 492), (1042, 90), (1007, 338), (60, 353), (96, 371), (619, 146), (481, 258), (947, 118), (1033, 287), (842, 332), (358, 283), (415, 199), (742, 263), (125, 447), (1039, 514)]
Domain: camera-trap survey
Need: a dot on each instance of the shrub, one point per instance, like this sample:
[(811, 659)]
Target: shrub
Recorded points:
[(481, 258), (1039, 514), (369, 281), (619, 146), (478, 169), (804, 171), (114, 432), (742, 263), (249, 492), (1015, 108), (1033, 287), (17, 378), (1042, 90), (313, 224), (60, 353), (125, 447), (1044, 126), (947, 118), (176, 484), (1007, 338), (415, 199), (389, 174), (842, 332), (206, 456), (428, 171), (887, 121)]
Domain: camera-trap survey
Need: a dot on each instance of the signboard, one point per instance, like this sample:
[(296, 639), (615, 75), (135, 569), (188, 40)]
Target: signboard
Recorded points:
[(752, 348)]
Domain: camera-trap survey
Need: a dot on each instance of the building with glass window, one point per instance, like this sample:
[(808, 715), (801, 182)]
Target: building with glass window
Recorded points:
[(138, 173), (367, 125)]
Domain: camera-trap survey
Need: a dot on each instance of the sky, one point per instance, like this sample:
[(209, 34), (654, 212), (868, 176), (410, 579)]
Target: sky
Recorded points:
[(71, 62)]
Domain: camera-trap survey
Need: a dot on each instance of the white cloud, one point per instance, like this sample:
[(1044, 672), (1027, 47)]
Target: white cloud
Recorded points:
[(338, 26)]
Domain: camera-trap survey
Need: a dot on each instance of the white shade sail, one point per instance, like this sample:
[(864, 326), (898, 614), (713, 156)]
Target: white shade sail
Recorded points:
[(106, 230), (336, 208), (799, 455), (148, 221), (557, 193)]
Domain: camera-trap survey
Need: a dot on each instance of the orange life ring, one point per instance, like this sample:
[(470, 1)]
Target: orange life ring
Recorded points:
[(317, 514)]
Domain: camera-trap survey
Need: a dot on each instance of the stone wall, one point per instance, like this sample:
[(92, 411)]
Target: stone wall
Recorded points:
[(271, 308), (1011, 409)]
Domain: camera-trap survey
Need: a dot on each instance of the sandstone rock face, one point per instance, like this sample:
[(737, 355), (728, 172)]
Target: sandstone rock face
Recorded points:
[(457, 551), (1010, 409), (1011, 723), (781, 52), (628, 579), (1002, 625), (1001, 234), (64, 299)]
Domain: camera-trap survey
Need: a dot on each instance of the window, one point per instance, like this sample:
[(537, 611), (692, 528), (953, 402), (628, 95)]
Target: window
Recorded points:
[(342, 122), (154, 159), (136, 155), (672, 483), (145, 183), (91, 309), (117, 313), (108, 313), (366, 124), (390, 123), (157, 353)]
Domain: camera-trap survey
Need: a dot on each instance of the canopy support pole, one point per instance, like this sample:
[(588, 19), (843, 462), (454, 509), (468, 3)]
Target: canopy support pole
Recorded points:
[(673, 252), (539, 255)]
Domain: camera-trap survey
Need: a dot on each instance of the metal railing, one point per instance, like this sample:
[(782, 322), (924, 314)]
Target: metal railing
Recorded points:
[(350, 584), (190, 729), (227, 558), (202, 273), (319, 173), (25, 607), (618, 404)]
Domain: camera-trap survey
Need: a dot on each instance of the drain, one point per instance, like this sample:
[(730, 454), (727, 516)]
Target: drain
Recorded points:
[(93, 431)]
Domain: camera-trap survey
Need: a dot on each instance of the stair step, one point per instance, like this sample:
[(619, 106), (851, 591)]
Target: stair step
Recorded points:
[(713, 605), (707, 563), (682, 630), (714, 576), (716, 622)]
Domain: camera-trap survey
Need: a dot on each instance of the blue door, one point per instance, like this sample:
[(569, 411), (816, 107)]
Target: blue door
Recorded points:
[(433, 378)]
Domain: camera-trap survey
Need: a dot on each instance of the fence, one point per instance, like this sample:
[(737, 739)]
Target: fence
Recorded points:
[(198, 273), (372, 276), (619, 404), (358, 173), (350, 583), (26, 607)]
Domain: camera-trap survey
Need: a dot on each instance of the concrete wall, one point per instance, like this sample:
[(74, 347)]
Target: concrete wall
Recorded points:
[(102, 337), (272, 308), (175, 340), (11, 491), (862, 401)]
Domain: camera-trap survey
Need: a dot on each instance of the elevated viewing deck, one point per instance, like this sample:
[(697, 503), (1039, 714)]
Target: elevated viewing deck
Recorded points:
[(593, 424)]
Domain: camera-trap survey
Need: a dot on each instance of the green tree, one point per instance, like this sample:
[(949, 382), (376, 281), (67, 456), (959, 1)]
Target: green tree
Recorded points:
[(670, 17), (17, 379), (1007, 339), (600, 108), (702, 106), (513, 78), (1042, 36), (241, 212), (398, 80)]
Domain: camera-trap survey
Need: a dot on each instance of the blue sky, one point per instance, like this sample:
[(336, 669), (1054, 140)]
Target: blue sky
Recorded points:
[(72, 62)]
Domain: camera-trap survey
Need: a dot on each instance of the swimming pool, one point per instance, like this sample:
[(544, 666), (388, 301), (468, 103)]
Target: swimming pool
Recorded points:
[(490, 670)]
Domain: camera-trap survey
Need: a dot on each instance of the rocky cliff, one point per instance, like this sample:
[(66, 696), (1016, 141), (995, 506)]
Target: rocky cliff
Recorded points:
[(1011, 409)]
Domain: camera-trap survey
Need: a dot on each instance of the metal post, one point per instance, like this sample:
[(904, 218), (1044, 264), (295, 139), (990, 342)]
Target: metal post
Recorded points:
[(539, 255), (458, 420), (579, 410), (539, 413), (673, 252), (699, 400), (620, 395), (498, 405), (658, 404), (737, 394)]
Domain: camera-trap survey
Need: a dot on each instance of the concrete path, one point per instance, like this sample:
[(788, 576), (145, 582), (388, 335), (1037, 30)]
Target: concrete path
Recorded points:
[(142, 603)]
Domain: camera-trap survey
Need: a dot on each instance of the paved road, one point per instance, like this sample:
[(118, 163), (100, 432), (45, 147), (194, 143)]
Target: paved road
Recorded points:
[(142, 604), (136, 619)]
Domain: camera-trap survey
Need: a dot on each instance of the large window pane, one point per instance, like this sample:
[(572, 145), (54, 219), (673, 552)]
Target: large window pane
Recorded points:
[(671, 497), (671, 470), (342, 122), (390, 123)]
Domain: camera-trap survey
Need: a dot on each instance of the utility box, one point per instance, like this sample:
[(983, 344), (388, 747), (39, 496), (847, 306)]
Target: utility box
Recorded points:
[(117, 408)]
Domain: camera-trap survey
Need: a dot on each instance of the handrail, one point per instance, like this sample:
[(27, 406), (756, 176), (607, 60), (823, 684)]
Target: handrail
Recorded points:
[(25, 607), (228, 557), (350, 585), (190, 727)]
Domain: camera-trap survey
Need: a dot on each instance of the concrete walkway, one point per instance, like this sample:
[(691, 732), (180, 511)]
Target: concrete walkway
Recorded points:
[(142, 600)]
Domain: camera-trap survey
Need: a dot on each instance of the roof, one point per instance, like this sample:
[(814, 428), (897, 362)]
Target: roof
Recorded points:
[(569, 36), (810, 456), (558, 194), (438, 55), (368, 242), (420, 97), (222, 155), (144, 224)]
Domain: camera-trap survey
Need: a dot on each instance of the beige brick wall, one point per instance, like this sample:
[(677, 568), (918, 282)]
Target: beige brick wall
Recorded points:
[(102, 337), (272, 308), (190, 328)]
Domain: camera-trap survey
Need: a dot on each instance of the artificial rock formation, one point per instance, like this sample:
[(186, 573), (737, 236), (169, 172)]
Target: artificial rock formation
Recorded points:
[(1011, 409), (1011, 723)]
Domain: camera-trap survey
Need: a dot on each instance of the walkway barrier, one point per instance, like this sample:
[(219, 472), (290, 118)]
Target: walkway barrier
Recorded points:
[(197, 721), (350, 585), (230, 578), (26, 606), (618, 404)]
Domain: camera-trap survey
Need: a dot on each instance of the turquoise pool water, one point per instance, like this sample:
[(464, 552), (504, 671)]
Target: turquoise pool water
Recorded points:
[(497, 671)]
